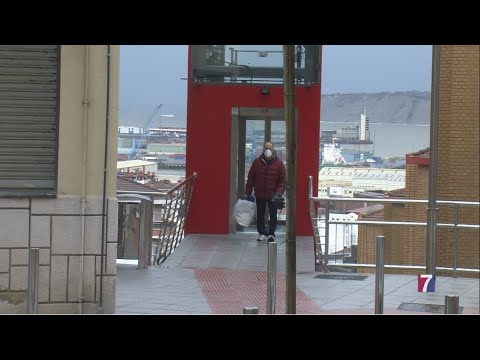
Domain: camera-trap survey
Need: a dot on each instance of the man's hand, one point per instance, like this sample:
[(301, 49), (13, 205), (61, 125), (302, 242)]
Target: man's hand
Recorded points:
[(278, 200), (249, 198)]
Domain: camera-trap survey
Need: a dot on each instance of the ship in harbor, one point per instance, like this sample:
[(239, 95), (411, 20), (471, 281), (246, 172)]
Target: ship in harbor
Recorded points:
[(358, 135), (348, 146), (331, 155)]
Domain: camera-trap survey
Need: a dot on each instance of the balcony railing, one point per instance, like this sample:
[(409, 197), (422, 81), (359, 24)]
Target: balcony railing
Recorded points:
[(321, 210)]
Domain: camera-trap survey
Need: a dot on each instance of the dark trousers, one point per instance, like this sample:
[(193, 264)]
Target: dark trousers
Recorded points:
[(261, 208)]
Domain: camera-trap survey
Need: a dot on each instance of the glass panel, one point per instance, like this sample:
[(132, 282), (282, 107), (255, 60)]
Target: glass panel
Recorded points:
[(244, 64), (278, 139), (254, 139)]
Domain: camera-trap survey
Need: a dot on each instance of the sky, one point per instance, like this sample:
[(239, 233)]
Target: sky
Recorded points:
[(152, 74), (376, 68)]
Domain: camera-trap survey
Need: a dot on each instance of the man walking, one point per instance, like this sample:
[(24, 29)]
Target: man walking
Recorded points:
[(266, 177)]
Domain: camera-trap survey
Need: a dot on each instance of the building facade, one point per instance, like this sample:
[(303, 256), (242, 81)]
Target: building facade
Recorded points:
[(458, 166), (59, 115), (457, 179)]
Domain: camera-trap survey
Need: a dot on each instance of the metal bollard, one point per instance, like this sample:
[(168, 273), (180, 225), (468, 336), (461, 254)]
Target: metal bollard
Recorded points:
[(145, 238), (455, 241), (250, 310), (379, 274), (271, 277), (452, 304), (33, 271)]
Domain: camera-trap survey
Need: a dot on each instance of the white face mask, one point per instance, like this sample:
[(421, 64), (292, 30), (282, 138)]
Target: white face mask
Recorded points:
[(268, 153)]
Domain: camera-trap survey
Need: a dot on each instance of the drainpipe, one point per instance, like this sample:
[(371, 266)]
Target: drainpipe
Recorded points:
[(105, 157), (84, 178), (432, 176)]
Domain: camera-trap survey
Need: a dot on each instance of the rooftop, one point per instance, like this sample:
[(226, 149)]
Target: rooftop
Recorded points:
[(397, 193), (424, 153), (372, 212), (420, 157), (125, 184), (133, 163)]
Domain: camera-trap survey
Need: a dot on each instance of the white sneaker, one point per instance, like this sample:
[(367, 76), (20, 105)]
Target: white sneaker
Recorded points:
[(262, 238)]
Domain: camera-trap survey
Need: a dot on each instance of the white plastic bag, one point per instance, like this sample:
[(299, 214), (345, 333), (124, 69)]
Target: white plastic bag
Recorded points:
[(244, 212)]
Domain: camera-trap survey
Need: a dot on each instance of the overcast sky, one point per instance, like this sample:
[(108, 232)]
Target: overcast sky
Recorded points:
[(376, 68), (151, 74)]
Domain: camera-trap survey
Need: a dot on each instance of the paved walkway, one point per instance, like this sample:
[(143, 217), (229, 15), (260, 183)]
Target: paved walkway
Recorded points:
[(221, 274)]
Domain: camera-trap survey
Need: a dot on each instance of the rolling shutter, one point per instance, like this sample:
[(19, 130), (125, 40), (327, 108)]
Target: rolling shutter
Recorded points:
[(28, 119)]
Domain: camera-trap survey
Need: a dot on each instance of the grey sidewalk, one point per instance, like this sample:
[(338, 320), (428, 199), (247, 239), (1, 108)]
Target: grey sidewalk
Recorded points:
[(216, 274)]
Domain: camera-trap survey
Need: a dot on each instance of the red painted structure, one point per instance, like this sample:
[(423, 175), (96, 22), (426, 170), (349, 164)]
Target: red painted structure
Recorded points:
[(209, 108)]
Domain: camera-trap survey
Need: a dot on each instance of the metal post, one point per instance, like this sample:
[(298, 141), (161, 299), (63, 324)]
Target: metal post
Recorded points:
[(33, 270), (310, 186), (149, 229), (452, 304), (271, 277), (432, 176), (291, 137), (315, 226), (250, 310), (145, 238), (379, 276), (327, 237), (455, 241)]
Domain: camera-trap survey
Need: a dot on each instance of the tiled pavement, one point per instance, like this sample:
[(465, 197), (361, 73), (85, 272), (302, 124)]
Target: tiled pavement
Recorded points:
[(220, 274), (229, 291)]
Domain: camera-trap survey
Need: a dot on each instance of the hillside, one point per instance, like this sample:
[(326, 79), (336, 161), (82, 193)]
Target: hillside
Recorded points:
[(410, 107), (395, 108)]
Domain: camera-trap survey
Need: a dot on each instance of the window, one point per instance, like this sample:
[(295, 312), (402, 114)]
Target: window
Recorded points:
[(28, 119)]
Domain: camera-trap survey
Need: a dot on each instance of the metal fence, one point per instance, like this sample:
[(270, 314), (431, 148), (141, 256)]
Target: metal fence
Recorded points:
[(170, 210), (172, 225), (339, 248), (135, 228)]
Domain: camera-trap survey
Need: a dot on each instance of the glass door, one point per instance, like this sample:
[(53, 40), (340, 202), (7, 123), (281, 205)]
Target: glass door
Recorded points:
[(253, 132)]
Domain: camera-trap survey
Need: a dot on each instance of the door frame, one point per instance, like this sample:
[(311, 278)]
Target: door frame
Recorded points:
[(239, 115)]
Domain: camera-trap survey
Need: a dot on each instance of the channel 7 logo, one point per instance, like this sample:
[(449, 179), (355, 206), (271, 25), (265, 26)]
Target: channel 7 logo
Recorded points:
[(426, 283)]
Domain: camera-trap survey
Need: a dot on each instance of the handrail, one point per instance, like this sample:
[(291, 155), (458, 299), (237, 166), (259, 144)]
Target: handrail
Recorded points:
[(403, 267), (174, 206), (175, 213), (167, 192), (176, 187), (125, 192), (136, 196), (315, 218), (397, 201), (412, 223)]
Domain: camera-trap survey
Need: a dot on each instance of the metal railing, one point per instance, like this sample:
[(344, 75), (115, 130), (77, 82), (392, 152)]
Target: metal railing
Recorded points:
[(172, 225), (143, 249), (323, 255)]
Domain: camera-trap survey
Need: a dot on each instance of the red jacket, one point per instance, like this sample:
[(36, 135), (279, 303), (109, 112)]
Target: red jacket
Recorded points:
[(267, 177)]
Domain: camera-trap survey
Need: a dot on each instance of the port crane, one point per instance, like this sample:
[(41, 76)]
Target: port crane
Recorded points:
[(146, 130)]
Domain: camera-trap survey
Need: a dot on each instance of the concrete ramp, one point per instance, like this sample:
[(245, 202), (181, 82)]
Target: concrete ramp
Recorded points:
[(237, 252)]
